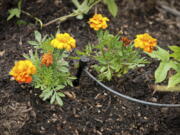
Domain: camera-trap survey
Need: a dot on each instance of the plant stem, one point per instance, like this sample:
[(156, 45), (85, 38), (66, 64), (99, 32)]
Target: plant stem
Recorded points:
[(164, 88), (37, 19), (62, 18)]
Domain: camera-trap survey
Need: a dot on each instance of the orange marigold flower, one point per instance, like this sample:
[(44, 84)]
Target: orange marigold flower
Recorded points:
[(98, 22), (47, 59), (145, 42), (22, 71), (125, 41), (64, 41)]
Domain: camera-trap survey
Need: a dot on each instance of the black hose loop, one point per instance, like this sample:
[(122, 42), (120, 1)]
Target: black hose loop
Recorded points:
[(128, 97)]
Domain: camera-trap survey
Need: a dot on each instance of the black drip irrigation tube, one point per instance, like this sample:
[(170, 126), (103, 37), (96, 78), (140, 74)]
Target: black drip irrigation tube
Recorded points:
[(82, 67)]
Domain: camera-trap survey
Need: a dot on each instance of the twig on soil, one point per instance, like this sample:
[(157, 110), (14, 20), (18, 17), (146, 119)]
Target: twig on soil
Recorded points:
[(168, 9), (27, 110)]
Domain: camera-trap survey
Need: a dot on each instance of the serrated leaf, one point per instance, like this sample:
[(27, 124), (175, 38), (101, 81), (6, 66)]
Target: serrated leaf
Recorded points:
[(38, 36), (174, 80), (59, 87), (47, 95), (53, 98), (59, 100), (103, 69), (64, 69), (33, 43), (161, 71), (69, 82), (72, 77), (61, 94), (15, 12), (109, 75)]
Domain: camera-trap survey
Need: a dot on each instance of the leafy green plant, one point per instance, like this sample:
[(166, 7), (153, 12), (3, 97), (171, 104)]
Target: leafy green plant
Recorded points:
[(52, 73), (112, 56), (168, 61), (86, 5), (15, 12)]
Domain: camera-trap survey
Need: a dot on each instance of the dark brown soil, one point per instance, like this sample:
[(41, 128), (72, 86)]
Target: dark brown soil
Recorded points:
[(89, 109)]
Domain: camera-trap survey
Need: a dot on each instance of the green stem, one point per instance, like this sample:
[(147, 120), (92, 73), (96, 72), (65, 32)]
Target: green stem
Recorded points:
[(37, 19), (164, 88), (62, 18)]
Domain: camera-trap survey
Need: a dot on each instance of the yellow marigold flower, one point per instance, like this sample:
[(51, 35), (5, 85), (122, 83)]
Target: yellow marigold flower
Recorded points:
[(98, 22), (64, 41), (22, 71), (145, 42), (47, 59)]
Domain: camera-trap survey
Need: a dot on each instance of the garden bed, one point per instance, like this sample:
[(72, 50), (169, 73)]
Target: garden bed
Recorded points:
[(88, 109)]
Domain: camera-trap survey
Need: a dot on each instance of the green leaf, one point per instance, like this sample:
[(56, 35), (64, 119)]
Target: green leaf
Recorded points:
[(15, 12), (21, 22), (109, 75), (19, 4), (176, 50), (160, 54), (61, 94), (59, 87), (47, 95), (174, 80), (76, 3), (112, 6), (59, 100), (33, 43), (161, 71), (53, 98), (103, 69), (79, 52), (38, 36), (64, 69)]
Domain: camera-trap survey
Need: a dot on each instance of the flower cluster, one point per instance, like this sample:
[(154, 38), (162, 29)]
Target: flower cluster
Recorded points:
[(22, 71), (47, 59), (145, 42), (98, 22), (64, 41)]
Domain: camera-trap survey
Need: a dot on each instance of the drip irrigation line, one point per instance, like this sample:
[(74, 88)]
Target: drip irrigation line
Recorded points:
[(128, 97)]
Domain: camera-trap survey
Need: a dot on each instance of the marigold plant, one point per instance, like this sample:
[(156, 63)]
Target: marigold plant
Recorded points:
[(145, 42), (113, 58), (23, 71), (168, 61), (98, 22), (46, 68)]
